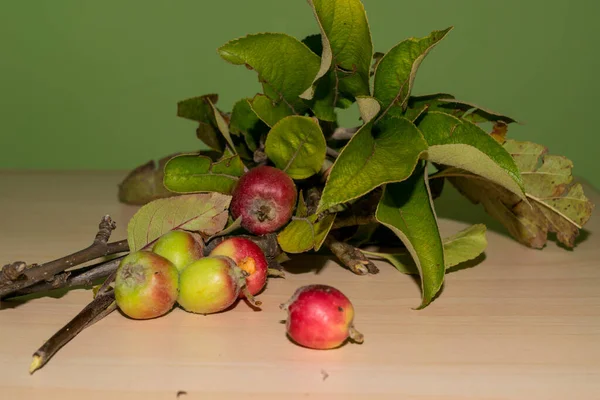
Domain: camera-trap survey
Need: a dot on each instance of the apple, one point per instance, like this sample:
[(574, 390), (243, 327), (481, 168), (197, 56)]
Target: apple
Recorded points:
[(179, 247), (320, 317), (146, 285), (264, 197), (211, 284)]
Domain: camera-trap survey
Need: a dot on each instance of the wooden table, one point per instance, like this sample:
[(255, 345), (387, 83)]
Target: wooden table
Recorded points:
[(523, 324)]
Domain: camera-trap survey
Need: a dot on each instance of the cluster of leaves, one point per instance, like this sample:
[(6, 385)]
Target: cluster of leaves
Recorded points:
[(293, 125)]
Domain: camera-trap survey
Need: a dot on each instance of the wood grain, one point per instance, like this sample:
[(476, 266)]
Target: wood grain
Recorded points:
[(522, 324)]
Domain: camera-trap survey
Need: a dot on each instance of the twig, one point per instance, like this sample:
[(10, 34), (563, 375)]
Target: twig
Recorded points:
[(313, 197), (82, 277), (17, 276), (353, 220), (351, 257), (344, 133), (100, 307), (332, 152)]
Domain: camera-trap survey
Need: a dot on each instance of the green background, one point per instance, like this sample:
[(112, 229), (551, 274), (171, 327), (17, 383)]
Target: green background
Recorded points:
[(94, 84)]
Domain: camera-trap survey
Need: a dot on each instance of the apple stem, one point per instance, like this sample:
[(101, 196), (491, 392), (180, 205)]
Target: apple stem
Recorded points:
[(275, 273), (355, 335), (253, 302)]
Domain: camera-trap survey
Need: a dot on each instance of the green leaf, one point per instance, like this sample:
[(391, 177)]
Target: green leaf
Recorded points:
[(417, 105), (556, 203), (197, 108), (374, 156), (302, 233), (283, 63), (190, 173), (268, 111), (472, 112), (346, 42), (314, 43), (205, 213), (222, 125), (201, 109), (465, 245), (296, 145), (324, 97), (407, 209), (245, 122), (464, 145), (396, 71)]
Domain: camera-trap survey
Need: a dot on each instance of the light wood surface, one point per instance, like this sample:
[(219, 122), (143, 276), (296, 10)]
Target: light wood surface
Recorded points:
[(522, 324)]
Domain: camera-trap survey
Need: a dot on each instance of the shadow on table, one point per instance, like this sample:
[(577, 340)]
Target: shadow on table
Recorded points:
[(55, 294)]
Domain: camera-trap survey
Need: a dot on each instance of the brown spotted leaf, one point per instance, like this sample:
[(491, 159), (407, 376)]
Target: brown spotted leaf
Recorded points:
[(556, 203), (205, 213), (144, 183)]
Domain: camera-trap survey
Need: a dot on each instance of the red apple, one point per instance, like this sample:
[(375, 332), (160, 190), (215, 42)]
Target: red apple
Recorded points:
[(320, 317), (264, 197), (249, 257), (146, 285)]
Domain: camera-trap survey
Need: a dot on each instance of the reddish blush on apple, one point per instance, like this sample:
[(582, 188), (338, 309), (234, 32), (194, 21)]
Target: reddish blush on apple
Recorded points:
[(249, 257), (264, 197), (320, 317), (146, 285)]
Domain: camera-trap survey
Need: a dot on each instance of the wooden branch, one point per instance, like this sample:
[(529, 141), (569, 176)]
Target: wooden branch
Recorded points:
[(351, 257), (102, 305), (16, 276), (84, 277)]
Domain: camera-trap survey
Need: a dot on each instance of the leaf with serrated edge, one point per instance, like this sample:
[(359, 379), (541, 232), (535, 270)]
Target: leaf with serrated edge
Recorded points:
[(324, 96), (407, 209), (397, 69), (205, 213), (347, 44), (464, 145), (245, 122), (282, 62), (200, 109), (268, 111), (296, 145), (190, 173), (474, 113), (464, 246), (197, 108), (556, 203), (372, 159)]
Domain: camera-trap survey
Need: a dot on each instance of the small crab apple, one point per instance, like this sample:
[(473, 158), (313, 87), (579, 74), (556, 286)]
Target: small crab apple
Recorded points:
[(264, 197), (179, 247), (249, 257), (320, 317), (211, 284), (146, 285)]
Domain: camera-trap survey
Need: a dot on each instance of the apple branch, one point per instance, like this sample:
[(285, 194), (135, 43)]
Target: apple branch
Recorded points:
[(19, 275), (351, 257), (102, 305), (84, 277)]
